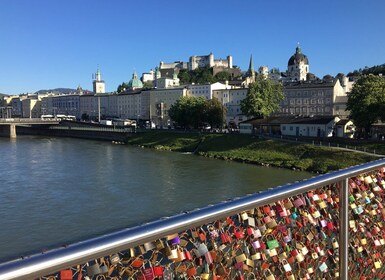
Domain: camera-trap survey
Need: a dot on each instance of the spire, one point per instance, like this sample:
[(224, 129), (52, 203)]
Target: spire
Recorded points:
[(251, 64), (98, 76)]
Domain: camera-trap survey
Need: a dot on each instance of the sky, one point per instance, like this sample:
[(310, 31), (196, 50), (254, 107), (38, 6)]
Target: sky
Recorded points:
[(46, 44)]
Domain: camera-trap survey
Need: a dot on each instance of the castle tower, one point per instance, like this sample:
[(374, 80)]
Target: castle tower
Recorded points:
[(298, 66), (230, 61), (98, 84)]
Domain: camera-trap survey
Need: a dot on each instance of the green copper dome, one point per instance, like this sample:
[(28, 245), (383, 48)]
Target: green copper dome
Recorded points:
[(135, 82)]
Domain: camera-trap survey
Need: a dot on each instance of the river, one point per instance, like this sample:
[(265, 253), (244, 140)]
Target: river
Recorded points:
[(56, 191)]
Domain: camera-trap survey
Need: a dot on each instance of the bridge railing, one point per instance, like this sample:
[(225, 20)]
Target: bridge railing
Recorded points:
[(27, 120), (327, 227)]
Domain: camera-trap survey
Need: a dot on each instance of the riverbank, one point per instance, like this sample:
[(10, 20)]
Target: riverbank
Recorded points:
[(248, 149)]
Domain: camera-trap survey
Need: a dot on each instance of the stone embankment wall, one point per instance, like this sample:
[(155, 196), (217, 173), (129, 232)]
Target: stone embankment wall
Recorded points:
[(97, 135)]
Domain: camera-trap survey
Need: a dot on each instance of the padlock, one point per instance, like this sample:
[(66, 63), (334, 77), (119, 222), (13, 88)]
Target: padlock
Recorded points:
[(148, 271), (286, 265), (335, 243), (271, 242), (93, 269), (323, 267), (268, 275), (300, 257), (290, 276), (114, 259), (66, 274), (149, 246)]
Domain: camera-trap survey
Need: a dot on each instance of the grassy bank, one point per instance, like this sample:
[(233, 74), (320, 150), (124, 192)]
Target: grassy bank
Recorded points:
[(247, 149)]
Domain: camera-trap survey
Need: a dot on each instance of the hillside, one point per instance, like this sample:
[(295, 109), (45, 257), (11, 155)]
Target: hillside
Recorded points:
[(60, 90), (375, 70)]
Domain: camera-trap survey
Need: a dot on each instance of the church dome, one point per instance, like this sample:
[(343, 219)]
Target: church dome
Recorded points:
[(135, 82), (298, 57)]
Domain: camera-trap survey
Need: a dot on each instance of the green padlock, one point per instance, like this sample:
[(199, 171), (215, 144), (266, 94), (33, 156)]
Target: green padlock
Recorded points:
[(273, 243)]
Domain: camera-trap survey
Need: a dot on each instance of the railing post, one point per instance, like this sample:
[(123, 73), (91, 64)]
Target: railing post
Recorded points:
[(344, 229)]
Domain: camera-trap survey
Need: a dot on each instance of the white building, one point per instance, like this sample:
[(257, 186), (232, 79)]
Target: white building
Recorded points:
[(231, 100), (310, 127), (148, 77), (98, 84), (165, 82), (205, 91)]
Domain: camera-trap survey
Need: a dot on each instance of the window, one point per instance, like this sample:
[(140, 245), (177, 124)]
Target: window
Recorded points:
[(291, 128), (283, 127)]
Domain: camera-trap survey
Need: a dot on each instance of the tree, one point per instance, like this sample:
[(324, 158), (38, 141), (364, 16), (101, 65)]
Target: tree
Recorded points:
[(188, 111), (122, 87), (148, 85), (85, 117), (223, 76), (263, 98), (366, 102), (215, 113), (195, 111), (184, 76)]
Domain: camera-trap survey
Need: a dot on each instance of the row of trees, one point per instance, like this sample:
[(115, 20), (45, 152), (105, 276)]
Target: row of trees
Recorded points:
[(202, 75), (194, 112)]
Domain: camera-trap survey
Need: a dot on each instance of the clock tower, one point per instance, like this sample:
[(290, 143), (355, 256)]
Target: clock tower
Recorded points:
[(98, 83)]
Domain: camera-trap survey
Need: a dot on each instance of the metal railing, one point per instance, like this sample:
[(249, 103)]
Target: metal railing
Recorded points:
[(83, 252)]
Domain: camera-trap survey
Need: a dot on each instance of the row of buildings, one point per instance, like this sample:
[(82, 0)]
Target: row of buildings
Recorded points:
[(304, 94)]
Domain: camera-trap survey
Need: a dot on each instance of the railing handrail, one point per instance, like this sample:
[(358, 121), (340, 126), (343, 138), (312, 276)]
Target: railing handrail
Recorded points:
[(52, 261)]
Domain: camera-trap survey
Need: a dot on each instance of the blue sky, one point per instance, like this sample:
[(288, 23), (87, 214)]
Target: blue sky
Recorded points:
[(46, 44)]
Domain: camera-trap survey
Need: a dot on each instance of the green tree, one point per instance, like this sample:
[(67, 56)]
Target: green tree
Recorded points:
[(263, 98), (215, 112), (223, 76), (184, 76), (188, 111), (202, 75), (148, 85), (366, 102), (122, 87)]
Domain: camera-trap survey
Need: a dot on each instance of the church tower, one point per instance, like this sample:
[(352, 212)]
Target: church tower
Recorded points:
[(250, 74), (251, 71), (298, 66), (98, 83)]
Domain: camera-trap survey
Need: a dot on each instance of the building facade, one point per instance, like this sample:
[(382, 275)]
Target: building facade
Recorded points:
[(231, 100), (321, 98), (161, 101), (205, 91)]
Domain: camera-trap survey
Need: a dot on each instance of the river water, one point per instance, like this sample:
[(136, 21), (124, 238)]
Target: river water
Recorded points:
[(56, 191)]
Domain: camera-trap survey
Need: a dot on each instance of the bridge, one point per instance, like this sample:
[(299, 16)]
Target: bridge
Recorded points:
[(327, 227), (13, 122)]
